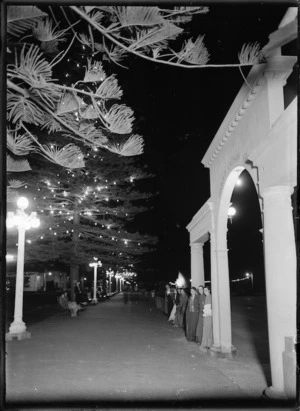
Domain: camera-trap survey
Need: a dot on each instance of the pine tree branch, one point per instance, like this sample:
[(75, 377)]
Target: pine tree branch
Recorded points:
[(105, 33)]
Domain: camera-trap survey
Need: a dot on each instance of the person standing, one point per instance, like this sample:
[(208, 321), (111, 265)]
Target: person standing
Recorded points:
[(192, 314), (178, 302), (199, 329), (77, 292), (207, 338), (174, 295), (182, 308)]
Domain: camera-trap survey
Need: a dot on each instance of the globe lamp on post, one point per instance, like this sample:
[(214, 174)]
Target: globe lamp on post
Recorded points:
[(95, 264), (110, 273), (231, 213), (23, 222)]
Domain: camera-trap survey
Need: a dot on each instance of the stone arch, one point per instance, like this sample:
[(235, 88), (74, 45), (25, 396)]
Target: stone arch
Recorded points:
[(224, 204), (259, 133)]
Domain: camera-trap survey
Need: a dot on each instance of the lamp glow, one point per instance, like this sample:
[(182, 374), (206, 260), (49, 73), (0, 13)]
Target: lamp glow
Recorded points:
[(23, 222), (231, 211), (22, 203)]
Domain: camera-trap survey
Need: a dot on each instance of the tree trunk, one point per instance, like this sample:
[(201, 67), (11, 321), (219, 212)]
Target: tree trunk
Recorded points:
[(74, 268), (103, 274), (74, 277)]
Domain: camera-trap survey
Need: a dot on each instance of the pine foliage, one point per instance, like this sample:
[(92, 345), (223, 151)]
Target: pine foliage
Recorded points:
[(22, 18), (250, 54)]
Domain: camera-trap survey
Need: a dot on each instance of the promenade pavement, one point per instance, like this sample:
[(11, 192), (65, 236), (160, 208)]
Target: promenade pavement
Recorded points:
[(128, 355)]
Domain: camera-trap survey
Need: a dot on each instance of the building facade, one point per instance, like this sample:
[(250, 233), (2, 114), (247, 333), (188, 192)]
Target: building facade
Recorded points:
[(258, 134)]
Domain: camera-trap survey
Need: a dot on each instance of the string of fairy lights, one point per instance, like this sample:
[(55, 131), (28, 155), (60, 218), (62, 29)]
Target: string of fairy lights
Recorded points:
[(87, 191), (98, 190)]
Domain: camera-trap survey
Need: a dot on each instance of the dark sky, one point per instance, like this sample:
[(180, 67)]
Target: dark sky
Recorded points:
[(179, 112)]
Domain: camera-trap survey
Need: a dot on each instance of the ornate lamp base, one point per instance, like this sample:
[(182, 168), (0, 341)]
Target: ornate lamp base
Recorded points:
[(24, 335)]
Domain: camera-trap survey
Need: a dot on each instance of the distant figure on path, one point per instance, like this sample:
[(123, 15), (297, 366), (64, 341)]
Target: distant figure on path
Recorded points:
[(207, 338), (192, 314), (199, 330), (168, 301), (68, 305), (125, 294)]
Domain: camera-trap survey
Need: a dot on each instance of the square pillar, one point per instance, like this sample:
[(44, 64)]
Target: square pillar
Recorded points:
[(281, 286), (197, 264)]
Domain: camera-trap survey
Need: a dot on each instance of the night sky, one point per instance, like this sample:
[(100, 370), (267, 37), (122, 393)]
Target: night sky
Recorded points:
[(178, 112)]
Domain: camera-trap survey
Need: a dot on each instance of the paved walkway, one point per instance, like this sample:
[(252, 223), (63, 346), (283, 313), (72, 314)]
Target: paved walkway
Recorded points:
[(114, 353)]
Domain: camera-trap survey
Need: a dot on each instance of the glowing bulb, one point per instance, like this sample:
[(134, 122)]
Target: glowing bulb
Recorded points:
[(231, 211), (22, 203)]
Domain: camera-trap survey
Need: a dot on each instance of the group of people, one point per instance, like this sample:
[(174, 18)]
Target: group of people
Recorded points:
[(191, 310), (66, 304)]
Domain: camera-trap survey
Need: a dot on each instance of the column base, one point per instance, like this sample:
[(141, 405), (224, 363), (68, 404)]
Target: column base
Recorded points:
[(24, 335), (222, 352), (273, 394), (95, 301)]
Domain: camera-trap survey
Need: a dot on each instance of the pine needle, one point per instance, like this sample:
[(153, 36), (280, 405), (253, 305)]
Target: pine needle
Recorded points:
[(194, 52), (119, 119), (69, 156), (132, 147), (250, 54), (16, 166), (109, 89), (15, 183), (94, 72), (20, 145)]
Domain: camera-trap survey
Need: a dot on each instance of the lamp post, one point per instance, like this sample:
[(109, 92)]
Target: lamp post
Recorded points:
[(95, 264), (23, 222), (231, 213), (110, 273)]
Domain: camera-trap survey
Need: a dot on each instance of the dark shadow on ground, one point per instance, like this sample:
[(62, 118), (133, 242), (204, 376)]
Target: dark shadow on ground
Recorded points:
[(252, 311), (160, 404)]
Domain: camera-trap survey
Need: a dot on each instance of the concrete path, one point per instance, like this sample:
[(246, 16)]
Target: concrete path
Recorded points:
[(115, 353)]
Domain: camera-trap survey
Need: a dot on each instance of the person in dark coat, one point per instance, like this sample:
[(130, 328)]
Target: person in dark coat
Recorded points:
[(184, 297), (192, 314), (207, 338), (199, 330), (169, 301)]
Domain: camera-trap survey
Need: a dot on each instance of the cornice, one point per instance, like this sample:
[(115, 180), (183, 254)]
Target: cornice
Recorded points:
[(200, 215), (241, 103)]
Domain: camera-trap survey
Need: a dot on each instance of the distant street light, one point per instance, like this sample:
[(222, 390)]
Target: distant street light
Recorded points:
[(23, 222), (95, 264), (250, 275), (9, 257)]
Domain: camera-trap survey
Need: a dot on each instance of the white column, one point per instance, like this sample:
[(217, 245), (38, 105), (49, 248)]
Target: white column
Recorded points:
[(280, 272), (18, 326), (197, 265), (214, 294), (224, 301), (95, 299)]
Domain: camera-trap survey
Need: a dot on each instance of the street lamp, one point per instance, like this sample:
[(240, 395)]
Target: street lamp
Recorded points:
[(23, 222), (231, 213), (110, 273), (95, 264)]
